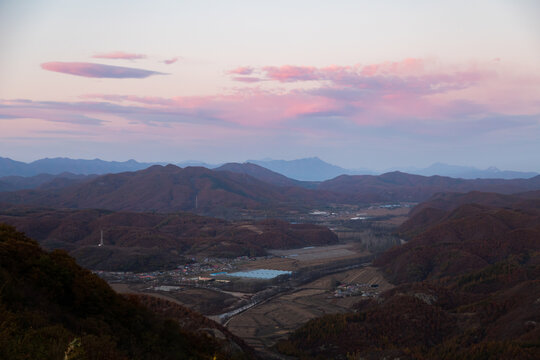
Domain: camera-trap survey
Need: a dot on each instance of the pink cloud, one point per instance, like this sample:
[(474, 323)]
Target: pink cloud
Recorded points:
[(405, 67), (244, 70), (170, 61), (409, 93), (376, 93), (253, 109), (408, 76), (288, 73), (382, 74), (119, 55), (98, 70)]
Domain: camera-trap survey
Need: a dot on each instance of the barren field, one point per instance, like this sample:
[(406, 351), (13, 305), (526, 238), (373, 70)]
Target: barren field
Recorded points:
[(395, 217), (264, 324), (401, 211), (294, 259), (315, 253)]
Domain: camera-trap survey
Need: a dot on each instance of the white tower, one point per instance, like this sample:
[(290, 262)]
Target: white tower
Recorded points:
[(101, 241)]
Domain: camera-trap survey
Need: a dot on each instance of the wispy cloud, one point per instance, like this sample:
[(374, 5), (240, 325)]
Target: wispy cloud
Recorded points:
[(98, 70), (119, 55), (247, 79), (170, 61), (244, 70), (288, 73), (48, 111), (413, 97), (411, 75)]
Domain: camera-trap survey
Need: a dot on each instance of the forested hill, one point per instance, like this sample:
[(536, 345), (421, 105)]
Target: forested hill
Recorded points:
[(467, 288), (232, 188), (150, 241), (50, 307)]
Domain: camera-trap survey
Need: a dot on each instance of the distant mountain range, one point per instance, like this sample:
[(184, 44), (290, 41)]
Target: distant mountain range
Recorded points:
[(469, 172), (56, 166), (307, 169), (41, 181)]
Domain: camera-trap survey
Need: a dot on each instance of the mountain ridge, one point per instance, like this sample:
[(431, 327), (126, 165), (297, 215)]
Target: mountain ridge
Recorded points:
[(304, 169), (470, 172), (169, 189), (55, 166), (216, 192)]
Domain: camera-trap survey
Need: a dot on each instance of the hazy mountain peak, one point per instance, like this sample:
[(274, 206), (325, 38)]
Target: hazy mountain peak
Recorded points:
[(306, 169), (60, 165), (469, 172)]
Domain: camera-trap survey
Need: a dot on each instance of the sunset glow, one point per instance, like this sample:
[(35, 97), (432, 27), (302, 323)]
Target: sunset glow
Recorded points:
[(174, 81)]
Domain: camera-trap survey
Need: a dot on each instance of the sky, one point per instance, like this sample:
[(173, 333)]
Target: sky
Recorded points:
[(360, 84)]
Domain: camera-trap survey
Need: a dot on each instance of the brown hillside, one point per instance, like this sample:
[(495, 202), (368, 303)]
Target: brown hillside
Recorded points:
[(153, 239), (468, 288), (398, 186), (170, 189)]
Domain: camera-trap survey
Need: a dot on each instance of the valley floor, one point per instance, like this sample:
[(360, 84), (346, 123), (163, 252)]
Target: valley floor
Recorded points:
[(273, 319), (264, 324)]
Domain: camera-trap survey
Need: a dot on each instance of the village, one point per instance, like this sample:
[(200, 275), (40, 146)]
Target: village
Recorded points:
[(196, 272)]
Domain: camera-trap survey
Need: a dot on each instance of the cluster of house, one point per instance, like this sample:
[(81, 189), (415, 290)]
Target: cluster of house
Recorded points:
[(191, 272), (366, 290)]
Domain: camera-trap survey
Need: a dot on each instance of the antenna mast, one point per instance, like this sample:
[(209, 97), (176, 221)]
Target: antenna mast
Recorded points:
[(101, 241)]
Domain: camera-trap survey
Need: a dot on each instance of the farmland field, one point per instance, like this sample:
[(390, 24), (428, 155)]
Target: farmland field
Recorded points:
[(264, 324)]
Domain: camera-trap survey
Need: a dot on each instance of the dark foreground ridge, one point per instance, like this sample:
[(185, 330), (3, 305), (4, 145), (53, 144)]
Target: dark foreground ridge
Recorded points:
[(50, 308)]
